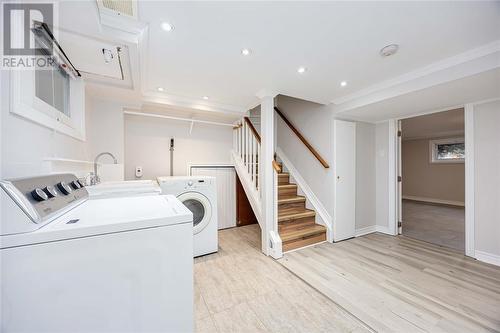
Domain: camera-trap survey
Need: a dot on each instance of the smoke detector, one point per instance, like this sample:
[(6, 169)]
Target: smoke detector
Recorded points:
[(389, 50)]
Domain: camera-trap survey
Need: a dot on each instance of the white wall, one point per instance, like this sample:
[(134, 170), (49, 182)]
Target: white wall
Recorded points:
[(314, 121), (105, 129), (365, 175), (25, 144), (147, 142), (487, 178)]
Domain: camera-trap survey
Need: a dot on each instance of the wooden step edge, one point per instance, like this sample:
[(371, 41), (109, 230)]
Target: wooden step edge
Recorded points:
[(294, 216), (295, 199), (283, 174), (287, 186), (302, 233)]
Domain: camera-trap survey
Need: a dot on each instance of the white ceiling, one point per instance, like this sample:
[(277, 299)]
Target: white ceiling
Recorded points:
[(440, 124), (336, 41), (440, 97)]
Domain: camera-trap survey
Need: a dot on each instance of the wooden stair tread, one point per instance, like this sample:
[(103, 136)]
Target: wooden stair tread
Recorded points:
[(294, 234), (291, 199), (294, 213), (287, 186)]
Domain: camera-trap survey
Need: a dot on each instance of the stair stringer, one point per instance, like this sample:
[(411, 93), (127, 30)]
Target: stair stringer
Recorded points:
[(322, 216), (248, 187)]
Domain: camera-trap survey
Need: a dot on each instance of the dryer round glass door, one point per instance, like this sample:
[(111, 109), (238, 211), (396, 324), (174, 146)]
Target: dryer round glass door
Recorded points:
[(201, 208)]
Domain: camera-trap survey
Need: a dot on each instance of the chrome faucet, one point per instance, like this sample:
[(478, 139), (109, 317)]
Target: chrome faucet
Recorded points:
[(95, 179)]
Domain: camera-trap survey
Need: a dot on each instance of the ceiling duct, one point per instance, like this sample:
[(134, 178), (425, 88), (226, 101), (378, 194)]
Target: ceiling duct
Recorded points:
[(120, 14), (119, 7)]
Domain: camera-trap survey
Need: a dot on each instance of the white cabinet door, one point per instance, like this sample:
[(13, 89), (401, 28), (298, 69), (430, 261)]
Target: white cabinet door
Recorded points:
[(226, 193), (344, 169)]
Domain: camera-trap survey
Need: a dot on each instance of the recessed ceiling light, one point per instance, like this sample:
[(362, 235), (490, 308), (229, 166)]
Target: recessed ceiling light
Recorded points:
[(160, 89), (245, 52), (343, 84), (389, 50), (205, 97), (167, 26), (301, 70)]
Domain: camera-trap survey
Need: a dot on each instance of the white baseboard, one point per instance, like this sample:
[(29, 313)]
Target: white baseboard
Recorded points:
[(433, 200), (372, 229), (365, 231), (489, 258)]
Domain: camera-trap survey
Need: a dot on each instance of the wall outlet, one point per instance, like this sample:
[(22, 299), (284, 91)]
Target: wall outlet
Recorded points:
[(138, 171)]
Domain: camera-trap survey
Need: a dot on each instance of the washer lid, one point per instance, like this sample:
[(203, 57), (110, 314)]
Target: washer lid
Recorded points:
[(102, 216)]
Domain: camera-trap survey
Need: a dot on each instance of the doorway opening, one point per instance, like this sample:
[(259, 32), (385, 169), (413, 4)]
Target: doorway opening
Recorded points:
[(432, 183)]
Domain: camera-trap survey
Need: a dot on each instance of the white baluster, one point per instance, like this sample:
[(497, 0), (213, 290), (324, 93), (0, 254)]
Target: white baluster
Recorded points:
[(254, 161)]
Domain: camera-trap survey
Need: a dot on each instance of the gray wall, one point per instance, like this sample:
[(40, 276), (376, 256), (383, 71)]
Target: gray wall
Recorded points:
[(426, 180), (487, 177)]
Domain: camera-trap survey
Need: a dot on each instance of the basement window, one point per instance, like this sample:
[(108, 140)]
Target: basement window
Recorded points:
[(447, 150)]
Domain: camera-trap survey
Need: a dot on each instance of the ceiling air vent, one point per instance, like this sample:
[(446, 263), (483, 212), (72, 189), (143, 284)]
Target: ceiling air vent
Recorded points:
[(119, 7), (120, 14)]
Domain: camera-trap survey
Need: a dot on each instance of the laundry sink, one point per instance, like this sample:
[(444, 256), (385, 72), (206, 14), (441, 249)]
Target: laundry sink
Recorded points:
[(123, 189)]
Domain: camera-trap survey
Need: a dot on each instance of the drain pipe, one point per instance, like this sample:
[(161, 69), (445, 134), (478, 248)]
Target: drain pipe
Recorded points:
[(171, 157)]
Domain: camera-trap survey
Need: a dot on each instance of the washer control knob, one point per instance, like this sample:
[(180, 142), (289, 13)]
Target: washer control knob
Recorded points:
[(75, 184), (50, 191), (190, 183), (64, 188), (82, 184), (39, 195)]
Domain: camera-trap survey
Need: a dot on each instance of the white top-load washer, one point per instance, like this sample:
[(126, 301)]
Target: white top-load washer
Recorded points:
[(69, 264), (199, 195)]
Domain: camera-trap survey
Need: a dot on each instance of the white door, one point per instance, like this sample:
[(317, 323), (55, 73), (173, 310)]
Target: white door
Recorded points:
[(226, 193), (344, 170)]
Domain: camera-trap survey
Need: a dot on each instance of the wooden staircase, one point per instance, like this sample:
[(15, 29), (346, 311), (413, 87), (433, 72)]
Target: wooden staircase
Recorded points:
[(296, 224)]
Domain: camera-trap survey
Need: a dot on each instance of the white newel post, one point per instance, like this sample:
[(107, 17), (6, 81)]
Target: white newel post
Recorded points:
[(266, 172)]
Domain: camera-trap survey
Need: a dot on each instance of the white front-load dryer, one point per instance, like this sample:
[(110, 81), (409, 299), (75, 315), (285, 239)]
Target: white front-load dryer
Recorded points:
[(199, 195)]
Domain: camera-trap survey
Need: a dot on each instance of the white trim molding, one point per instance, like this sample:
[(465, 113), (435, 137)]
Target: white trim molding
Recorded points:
[(371, 229), (434, 200), (393, 178), (469, 181), (365, 231), (308, 192), (489, 258)]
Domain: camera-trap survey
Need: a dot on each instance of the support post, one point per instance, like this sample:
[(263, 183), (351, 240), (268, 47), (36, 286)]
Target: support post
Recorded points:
[(266, 173)]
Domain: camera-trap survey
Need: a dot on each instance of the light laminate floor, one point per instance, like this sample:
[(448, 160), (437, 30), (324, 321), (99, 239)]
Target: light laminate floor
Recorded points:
[(437, 224), (399, 284), (241, 290)]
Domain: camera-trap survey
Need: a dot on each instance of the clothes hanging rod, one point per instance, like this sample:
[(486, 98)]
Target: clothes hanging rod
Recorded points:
[(176, 118)]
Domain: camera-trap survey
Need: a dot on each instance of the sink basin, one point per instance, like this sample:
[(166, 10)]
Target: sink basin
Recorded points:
[(128, 188)]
